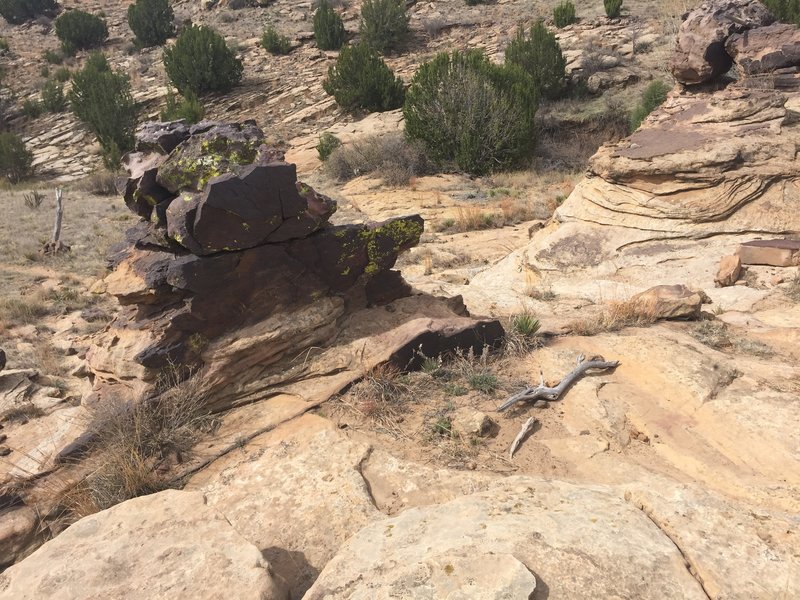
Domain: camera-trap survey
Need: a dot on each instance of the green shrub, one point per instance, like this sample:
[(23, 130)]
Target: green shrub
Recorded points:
[(360, 79), (31, 108), (54, 58), (475, 2), (62, 75), (472, 112), (102, 99), (392, 158), (613, 8), (328, 27), (53, 99), (540, 56), (79, 30), (564, 14), (525, 324), (275, 43), (201, 62), (4, 47), (327, 144), (15, 158), (786, 11), (653, 96), (384, 24), (19, 11), (45, 71), (188, 108), (151, 21)]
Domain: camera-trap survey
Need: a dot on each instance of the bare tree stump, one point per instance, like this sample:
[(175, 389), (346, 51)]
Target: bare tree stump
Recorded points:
[(55, 245)]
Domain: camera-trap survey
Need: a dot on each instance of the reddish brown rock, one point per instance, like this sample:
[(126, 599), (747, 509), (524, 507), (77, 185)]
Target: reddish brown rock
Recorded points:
[(700, 54), (765, 49), (777, 253), (730, 268)]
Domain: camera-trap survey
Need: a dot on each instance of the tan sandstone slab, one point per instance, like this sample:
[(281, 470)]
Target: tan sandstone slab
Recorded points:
[(167, 545)]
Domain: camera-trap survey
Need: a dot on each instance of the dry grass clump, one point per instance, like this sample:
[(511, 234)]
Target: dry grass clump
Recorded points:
[(380, 395), (391, 157), (30, 308), (716, 334), (21, 413), (522, 334), (616, 316), (100, 183), (135, 444)]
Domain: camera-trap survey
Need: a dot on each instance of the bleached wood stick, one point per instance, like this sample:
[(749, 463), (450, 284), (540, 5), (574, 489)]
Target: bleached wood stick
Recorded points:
[(59, 216), (526, 428), (542, 392)]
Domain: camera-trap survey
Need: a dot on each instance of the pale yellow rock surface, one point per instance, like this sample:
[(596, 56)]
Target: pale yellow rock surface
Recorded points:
[(167, 545)]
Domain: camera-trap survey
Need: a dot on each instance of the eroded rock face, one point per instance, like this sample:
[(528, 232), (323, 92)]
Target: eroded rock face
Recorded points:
[(700, 54), (765, 49), (165, 545)]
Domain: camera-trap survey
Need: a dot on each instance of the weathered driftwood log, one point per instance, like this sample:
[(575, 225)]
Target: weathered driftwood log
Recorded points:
[(542, 392), (527, 427)]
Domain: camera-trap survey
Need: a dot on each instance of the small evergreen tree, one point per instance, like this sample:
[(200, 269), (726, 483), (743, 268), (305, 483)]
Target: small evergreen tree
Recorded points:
[(152, 22), (275, 43), (564, 14), (472, 112), (653, 96), (79, 30), (20, 11), (360, 79), (53, 98), (188, 108), (201, 62), (15, 158), (786, 11), (540, 56), (384, 24), (327, 144), (102, 99), (613, 8), (328, 27)]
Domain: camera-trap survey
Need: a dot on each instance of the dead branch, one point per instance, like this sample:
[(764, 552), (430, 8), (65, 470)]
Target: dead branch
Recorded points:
[(523, 433), (542, 392)]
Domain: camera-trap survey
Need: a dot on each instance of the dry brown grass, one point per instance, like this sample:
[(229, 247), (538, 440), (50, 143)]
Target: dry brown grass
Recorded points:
[(136, 444), (616, 316), (793, 290), (380, 395)]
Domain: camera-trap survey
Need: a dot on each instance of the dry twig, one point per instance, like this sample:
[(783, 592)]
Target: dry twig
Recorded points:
[(542, 392), (526, 429)]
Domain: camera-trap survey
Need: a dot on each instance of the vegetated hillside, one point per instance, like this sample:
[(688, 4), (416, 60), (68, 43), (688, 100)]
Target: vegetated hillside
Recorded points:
[(284, 93)]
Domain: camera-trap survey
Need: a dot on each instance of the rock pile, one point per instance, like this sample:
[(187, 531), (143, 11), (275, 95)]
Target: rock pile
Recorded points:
[(235, 265)]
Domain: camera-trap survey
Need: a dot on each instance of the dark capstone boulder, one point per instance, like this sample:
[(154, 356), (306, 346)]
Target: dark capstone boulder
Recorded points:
[(261, 204), (765, 49), (213, 151), (161, 138), (700, 54)]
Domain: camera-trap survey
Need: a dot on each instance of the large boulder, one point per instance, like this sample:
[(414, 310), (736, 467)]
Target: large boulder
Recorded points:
[(167, 545), (700, 54), (235, 268)]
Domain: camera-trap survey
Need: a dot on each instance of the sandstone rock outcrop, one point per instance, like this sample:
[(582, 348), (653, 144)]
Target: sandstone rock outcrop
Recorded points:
[(778, 253), (235, 267), (700, 53), (165, 545), (765, 49)]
